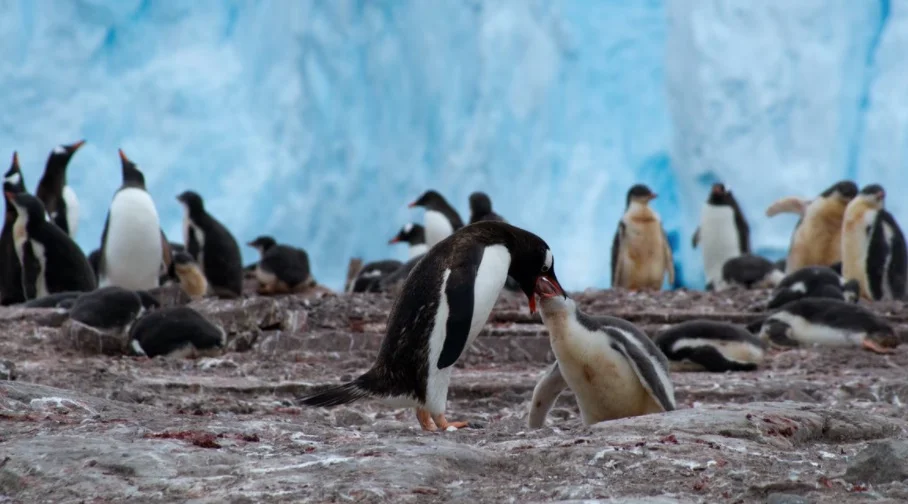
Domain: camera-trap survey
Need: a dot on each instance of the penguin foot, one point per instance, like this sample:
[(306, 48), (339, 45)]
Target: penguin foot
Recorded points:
[(425, 420), (444, 424), (873, 346)]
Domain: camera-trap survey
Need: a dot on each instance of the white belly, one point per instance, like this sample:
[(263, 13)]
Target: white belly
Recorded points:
[(20, 238), (72, 210), (133, 253), (418, 250), (816, 334), (438, 227), (718, 239)]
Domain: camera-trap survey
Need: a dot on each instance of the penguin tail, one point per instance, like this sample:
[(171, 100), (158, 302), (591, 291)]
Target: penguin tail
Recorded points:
[(338, 395)]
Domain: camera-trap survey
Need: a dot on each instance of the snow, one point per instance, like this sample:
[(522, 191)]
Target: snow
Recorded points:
[(318, 122)]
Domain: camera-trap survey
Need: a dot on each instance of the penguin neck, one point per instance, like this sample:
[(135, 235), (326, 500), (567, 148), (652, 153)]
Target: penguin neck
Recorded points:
[(557, 314), (418, 249)]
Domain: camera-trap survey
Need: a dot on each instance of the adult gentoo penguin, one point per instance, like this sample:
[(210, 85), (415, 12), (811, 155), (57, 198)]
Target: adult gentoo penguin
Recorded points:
[(709, 345), (614, 370), (873, 247), (413, 235), (50, 260), (440, 220), (813, 282), (132, 245), (481, 208), (177, 331), (828, 322), (10, 270), (212, 245), (641, 255), (444, 303), (59, 199), (817, 238), (723, 233), (282, 269)]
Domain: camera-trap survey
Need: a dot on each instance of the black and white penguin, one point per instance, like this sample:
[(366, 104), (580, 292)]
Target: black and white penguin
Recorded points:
[(58, 300), (371, 273), (711, 346), (414, 235), (59, 199), (10, 269), (817, 238), (723, 233), (873, 247), (440, 219), (132, 245), (49, 259), (177, 331), (444, 303), (813, 282), (828, 322), (212, 246), (391, 278), (481, 208), (111, 310), (190, 276), (281, 269), (641, 255), (748, 271), (613, 369)]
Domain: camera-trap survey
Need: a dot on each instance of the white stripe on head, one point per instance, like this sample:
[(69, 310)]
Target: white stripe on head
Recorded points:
[(13, 178), (59, 150), (408, 227), (549, 259)]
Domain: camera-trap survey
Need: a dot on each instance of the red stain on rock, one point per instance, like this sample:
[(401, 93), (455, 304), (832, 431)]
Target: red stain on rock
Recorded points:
[(197, 438)]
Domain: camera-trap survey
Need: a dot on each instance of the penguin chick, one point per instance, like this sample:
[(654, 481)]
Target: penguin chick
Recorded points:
[(440, 219), (282, 269), (723, 233), (178, 332), (371, 273), (10, 269), (817, 238), (58, 198), (712, 346), (813, 282), (58, 300), (49, 259), (613, 372), (748, 271), (212, 246), (481, 208), (641, 255), (443, 305), (111, 310), (828, 322), (192, 280), (873, 247)]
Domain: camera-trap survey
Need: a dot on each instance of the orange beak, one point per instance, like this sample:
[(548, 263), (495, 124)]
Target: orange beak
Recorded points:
[(546, 287), (122, 156), (393, 240), (411, 205), (74, 147)]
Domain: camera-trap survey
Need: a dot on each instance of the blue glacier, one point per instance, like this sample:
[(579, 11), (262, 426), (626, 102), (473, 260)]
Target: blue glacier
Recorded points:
[(318, 121)]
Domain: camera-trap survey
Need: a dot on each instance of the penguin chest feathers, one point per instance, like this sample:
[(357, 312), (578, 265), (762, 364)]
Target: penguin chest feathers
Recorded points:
[(438, 227), (72, 210), (133, 250), (718, 239), (818, 240), (643, 248), (857, 227)]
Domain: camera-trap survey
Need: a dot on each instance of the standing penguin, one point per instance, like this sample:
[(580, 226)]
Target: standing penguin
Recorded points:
[(413, 235), (59, 199), (641, 255), (723, 233), (817, 238), (441, 219), (132, 245), (444, 303), (481, 208), (50, 260), (873, 247), (10, 270), (212, 246)]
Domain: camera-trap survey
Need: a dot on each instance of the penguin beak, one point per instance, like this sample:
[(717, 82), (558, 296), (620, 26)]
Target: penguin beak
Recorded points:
[(393, 240), (74, 147), (15, 159), (546, 287), (411, 205), (652, 196), (123, 157)]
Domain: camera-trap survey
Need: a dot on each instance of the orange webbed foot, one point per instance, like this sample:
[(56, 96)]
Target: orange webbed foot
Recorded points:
[(873, 346)]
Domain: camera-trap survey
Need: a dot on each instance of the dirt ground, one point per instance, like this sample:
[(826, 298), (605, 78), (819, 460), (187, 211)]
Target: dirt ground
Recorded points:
[(82, 427)]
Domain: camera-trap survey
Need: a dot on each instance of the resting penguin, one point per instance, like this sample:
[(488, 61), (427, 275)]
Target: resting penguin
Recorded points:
[(641, 255), (440, 219), (111, 310), (873, 247), (59, 199), (282, 269), (59, 300), (10, 270), (444, 303), (178, 332), (49, 259), (615, 371), (817, 238), (414, 235), (192, 279), (828, 322), (748, 271), (723, 233), (212, 246), (372, 272), (481, 208), (698, 345), (813, 282), (132, 245)]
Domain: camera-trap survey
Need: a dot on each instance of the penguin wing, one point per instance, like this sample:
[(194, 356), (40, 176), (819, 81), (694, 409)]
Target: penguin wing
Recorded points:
[(648, 363), (695, 239), (668, 258), (192, 243), (459, 292), (166, 251), (742, 228), (72, 272), (31, 268), (616, 250), (791, 204), (886, 261), (101, 265), (547, 390)]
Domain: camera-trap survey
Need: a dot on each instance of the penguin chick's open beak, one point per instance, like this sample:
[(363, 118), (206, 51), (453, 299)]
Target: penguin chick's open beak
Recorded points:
[(546, 287)]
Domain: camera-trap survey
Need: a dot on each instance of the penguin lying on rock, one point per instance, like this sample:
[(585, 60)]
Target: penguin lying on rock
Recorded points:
[(176, 332), (281, 269), (101, 319), (747, 271), (813, 282), (611, 366), (58, 300), (371, 276), (709, 345)]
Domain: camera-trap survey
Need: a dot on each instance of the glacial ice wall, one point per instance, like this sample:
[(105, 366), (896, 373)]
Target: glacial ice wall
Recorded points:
[(318, 122)]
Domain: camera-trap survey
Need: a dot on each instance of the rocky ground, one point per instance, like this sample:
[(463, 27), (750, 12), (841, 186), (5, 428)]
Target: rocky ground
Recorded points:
[(814, 425)]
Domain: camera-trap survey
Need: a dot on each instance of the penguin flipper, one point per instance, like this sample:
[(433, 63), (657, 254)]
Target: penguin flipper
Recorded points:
[(31, 268), (648, 368), (460, 297), (695, 239), (791, 204), (616, 251), (546, 392), (668, 259), (101, 266)]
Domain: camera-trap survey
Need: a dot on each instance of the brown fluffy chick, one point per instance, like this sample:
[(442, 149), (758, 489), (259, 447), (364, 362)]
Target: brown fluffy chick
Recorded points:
[(192, 280)]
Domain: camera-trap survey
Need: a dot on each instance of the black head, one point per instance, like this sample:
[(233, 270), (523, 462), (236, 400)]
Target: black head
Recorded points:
[(480, 203), (263, 243), (192, 201), (149, 302), (183, 259), (845, 190), (532, 262), (413, 234), (851, 291), (28, 206), (132, 177), (60, 155), (12, 179), (720, 195), (874, 194), (777, 332), (429, 199), (639, 193)]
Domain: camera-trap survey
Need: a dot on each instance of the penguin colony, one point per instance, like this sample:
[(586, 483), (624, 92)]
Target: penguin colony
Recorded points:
[(844, 248)]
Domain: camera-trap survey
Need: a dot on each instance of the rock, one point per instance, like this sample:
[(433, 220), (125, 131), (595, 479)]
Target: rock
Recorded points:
[(783, 498), (346, 417), (89, 340), (882, 462), (7, 370)]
